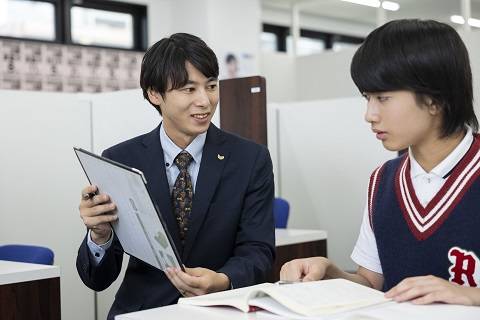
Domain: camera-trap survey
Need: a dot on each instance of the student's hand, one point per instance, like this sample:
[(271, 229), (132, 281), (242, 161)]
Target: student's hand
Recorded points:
[(197, 281), (429, 289), (96, 213), (308, 269)]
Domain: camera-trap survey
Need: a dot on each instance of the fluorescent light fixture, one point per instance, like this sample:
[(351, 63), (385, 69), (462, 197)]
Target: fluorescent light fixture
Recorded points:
[(461, 20), (390, 5), (370, 3), (387, 5), (474, 22), (457, 19)]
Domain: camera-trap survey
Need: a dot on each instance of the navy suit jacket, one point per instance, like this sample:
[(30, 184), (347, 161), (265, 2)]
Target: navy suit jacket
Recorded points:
[(231, 228)]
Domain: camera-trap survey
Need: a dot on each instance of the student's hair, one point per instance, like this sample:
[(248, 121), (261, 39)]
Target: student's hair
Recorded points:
[(163, 65), (423, 56)]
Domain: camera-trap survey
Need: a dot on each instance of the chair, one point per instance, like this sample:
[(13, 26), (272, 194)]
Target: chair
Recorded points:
[(281, 210), (26, 253)]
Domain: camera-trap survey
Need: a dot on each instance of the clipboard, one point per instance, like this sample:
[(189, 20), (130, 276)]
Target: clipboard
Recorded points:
[(140, 227)]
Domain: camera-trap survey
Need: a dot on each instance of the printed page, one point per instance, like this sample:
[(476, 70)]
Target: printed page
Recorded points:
[(237, 298), (138, 227), (325, 297)]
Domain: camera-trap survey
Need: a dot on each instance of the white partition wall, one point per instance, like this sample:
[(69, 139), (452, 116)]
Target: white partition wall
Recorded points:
[(325, 153), (116, 117), (40, 182)]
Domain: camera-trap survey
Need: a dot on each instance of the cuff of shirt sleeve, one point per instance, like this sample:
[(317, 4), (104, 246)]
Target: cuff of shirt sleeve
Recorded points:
[(98, 250)]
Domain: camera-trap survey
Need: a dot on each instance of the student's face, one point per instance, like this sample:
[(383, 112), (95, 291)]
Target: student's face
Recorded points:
[(187, 111), (399, 121)]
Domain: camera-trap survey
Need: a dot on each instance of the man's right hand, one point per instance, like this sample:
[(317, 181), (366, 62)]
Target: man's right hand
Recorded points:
[(96, 213)]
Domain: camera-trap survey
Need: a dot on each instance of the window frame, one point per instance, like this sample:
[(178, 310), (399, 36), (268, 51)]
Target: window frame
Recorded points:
[(63, 32), (282, 32)]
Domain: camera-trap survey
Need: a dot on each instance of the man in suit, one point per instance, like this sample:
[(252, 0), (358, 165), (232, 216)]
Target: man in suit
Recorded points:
[(213, 189)]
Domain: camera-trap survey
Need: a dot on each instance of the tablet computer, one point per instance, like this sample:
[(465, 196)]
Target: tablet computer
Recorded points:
[(140, 227)]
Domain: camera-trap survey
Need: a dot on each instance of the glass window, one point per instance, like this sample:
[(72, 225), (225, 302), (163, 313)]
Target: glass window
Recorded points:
[(339, 45), (268, 42), (27, 19), (306, 46), (102, 28)]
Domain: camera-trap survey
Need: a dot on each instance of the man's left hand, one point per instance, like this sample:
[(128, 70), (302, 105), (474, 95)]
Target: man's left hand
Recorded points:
[(197, 281)]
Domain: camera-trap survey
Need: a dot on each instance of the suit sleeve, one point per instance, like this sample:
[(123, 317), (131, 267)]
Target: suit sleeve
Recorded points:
[(254, 251), (99, 277)]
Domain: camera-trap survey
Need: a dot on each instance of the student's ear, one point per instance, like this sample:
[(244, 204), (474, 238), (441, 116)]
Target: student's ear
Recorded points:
[(432, 106), (154, 97), (434, 109)]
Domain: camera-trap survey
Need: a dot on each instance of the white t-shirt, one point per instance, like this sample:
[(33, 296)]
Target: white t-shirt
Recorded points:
[(425, 184)]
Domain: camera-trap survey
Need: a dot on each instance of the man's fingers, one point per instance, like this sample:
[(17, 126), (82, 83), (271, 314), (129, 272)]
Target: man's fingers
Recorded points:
[(97, 210), (91, 222)]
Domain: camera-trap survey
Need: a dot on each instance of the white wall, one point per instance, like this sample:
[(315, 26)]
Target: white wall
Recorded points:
[(40, 182), (325, 76), (326, 153)]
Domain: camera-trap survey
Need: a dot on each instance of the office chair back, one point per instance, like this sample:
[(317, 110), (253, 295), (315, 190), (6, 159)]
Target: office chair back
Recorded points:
[(281, 210), (26, 253)]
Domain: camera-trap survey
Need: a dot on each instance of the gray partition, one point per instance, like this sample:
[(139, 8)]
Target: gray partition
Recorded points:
[(325, 153), (40, 182)]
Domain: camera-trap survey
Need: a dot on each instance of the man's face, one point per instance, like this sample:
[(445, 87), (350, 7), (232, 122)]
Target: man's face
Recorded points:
[(187, 111)]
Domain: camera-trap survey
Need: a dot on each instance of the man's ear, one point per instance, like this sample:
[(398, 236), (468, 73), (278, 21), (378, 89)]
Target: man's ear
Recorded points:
[(154, 97)]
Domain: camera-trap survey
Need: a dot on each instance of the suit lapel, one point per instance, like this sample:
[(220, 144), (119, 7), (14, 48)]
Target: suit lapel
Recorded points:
[(215, 155), (158, 183)]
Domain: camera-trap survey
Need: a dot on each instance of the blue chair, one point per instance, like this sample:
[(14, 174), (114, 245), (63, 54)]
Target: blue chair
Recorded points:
[(26, 253), (281, 210)]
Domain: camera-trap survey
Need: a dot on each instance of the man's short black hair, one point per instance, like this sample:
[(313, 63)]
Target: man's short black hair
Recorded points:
[(423, 56), (163, 65)]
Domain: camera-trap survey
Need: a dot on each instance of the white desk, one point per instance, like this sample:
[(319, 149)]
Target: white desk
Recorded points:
[(14, 272), (390, 311), (29, 291), (284, 237)]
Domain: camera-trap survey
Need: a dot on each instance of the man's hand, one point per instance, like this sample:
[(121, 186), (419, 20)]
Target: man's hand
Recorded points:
[(308, 269), (96, 212), (429, 289), (197, 281)]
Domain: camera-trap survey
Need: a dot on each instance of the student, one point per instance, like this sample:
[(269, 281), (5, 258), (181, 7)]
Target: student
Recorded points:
[(419, 240), (214, 190)]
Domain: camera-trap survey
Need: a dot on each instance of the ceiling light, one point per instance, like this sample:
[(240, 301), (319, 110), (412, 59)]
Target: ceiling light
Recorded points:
[(370, 3), (457, 19), (387, 5), (474, 22), (461, 20), (390, 5)]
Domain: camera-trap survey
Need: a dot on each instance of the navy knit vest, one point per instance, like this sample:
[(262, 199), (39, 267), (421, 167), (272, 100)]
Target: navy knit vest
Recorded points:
[(442, 239)]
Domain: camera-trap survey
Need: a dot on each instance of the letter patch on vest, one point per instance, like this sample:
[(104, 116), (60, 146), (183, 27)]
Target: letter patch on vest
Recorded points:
[(465, 268)]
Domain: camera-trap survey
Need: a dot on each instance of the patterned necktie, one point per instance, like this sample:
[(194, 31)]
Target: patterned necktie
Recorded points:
[(182, 193)]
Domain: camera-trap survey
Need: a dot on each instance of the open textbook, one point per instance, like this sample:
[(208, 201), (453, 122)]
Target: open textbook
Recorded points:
[(296, 300), (140, 227)]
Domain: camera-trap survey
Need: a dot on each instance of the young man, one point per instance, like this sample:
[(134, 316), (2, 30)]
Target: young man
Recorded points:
[(214, 190), (419, 239)]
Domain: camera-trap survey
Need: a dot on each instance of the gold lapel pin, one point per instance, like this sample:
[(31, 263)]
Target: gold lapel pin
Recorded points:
[(220, 157)]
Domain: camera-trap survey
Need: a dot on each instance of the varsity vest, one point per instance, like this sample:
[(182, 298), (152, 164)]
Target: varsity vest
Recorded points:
[(441, 239)]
